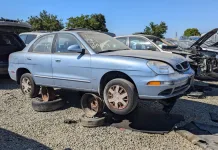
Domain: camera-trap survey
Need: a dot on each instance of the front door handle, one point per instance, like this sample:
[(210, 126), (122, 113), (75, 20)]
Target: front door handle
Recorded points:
[(28, 58), (58, 60)]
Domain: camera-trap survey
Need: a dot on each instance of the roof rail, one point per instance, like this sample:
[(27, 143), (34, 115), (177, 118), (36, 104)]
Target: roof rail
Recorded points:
[(41, 31), (8, 20), (71, 29)]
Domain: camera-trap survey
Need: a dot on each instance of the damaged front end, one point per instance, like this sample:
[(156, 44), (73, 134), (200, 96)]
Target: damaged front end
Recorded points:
[(204, 62), (205, 66)]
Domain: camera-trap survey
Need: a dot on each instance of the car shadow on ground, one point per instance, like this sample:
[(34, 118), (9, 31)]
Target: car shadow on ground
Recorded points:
[(13, 141), (7, 84), (147, 119)]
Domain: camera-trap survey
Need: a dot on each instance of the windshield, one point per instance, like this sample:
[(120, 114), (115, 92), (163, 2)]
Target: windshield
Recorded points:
[(194, 38), (100, 42)]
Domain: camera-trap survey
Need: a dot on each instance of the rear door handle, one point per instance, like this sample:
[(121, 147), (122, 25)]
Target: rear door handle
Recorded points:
[(58, 60), (28, 58)]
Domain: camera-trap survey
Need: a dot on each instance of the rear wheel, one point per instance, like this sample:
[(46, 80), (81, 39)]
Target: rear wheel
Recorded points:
[(28, 86), (120, 96)]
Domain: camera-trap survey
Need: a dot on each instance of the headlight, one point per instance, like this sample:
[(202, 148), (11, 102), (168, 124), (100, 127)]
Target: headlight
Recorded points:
[(160, 67)]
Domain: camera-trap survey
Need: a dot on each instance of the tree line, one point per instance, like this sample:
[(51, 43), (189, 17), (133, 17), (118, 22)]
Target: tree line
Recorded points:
[(50, 22)]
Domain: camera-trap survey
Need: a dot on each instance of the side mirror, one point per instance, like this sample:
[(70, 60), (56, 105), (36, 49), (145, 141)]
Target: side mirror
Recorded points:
[(75, 48)]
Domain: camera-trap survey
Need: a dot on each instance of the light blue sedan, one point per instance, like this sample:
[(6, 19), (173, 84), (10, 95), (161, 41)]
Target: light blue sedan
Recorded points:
[(94, 62)]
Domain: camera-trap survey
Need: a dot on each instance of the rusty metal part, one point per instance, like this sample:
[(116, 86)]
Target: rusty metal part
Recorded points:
[(48, 94), (92, 105), (117, 97)]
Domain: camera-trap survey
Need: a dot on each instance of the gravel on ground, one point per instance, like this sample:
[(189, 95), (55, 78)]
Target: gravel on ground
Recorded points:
[(23, 128)]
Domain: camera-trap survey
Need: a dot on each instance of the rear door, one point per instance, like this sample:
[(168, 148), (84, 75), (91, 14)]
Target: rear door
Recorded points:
[(70, 69), (38, 59)]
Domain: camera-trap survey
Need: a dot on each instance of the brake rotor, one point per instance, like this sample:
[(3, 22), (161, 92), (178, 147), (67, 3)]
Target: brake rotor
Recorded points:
[(92, 105), (48, 94)]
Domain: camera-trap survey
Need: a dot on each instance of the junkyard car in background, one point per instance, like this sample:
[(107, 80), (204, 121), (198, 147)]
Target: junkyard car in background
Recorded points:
[(138, 42), (9, 41), (201, 54), (162, 43), (95, 62), (28, 37)]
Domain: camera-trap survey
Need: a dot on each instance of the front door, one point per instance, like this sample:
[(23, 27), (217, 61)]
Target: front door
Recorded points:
[(70, 69), (38, 60)]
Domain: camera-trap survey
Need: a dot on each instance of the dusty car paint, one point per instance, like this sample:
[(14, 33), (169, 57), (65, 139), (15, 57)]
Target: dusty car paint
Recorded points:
[(84, 71)]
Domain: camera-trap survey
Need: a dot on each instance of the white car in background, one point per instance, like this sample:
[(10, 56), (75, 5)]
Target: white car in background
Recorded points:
[(28, 37)]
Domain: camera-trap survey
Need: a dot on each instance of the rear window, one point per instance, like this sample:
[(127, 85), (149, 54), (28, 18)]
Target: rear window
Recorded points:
[(30, 38), (23, 37)]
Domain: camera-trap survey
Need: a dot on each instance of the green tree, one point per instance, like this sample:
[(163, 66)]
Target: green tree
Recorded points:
[(192, 32), (93, 22), (156, 29), (45, 21)]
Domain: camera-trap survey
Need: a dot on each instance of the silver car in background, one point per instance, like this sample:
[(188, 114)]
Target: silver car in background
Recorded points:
[(94, 62)]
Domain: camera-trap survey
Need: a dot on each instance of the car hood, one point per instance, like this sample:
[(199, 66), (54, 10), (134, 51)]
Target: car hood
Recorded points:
[(171, 59), (12, 25), (204, 38)]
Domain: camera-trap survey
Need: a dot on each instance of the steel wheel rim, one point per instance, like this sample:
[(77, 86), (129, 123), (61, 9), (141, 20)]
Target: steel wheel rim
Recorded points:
[(26, 85), (117, 97)]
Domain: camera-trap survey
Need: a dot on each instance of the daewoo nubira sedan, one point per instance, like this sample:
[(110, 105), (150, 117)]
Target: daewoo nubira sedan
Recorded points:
[(90, 61)]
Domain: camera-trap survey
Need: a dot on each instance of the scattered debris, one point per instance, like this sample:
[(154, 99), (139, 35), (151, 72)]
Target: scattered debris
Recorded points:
[(214, 117), (198, 95), (200, 134), (70, 121), (92, 122)]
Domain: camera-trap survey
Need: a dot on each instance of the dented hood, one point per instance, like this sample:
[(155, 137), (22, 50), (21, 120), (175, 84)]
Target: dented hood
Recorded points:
[(171, 59)]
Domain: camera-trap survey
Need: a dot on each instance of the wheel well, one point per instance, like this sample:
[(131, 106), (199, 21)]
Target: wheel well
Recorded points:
[(20, 72), (110, 76)]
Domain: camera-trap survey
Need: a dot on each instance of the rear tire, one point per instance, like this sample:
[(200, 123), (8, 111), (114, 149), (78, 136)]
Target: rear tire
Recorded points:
[(41, 106), (92, 122), (28, 86), (120, 96)]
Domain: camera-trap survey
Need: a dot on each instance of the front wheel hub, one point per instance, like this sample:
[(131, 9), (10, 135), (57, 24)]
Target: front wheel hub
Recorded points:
[(117, 97)]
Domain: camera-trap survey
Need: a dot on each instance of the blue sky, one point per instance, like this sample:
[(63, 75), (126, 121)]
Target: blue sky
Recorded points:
[(125, 16)]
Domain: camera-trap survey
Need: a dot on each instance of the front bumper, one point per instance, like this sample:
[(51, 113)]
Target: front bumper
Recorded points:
[(181, 83)]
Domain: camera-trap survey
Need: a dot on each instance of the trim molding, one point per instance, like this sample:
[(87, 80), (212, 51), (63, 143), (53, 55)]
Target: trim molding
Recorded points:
[(68, 79)]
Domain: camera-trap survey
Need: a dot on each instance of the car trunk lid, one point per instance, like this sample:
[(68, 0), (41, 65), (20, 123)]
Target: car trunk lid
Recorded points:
[(8, 25), (9, 41)]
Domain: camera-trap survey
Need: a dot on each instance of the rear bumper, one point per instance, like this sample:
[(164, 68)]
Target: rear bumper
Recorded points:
[(3, 69), (181, 83)]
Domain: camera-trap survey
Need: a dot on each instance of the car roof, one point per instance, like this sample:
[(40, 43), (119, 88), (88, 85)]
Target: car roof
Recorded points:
[(34, 32)]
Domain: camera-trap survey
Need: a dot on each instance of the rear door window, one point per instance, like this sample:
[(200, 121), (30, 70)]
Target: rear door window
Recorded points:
[(30, 38), (123, 40), (138, 43), (43, 44)]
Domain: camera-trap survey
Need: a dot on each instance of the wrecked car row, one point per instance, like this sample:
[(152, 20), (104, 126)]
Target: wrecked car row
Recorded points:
[(201, 54)]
